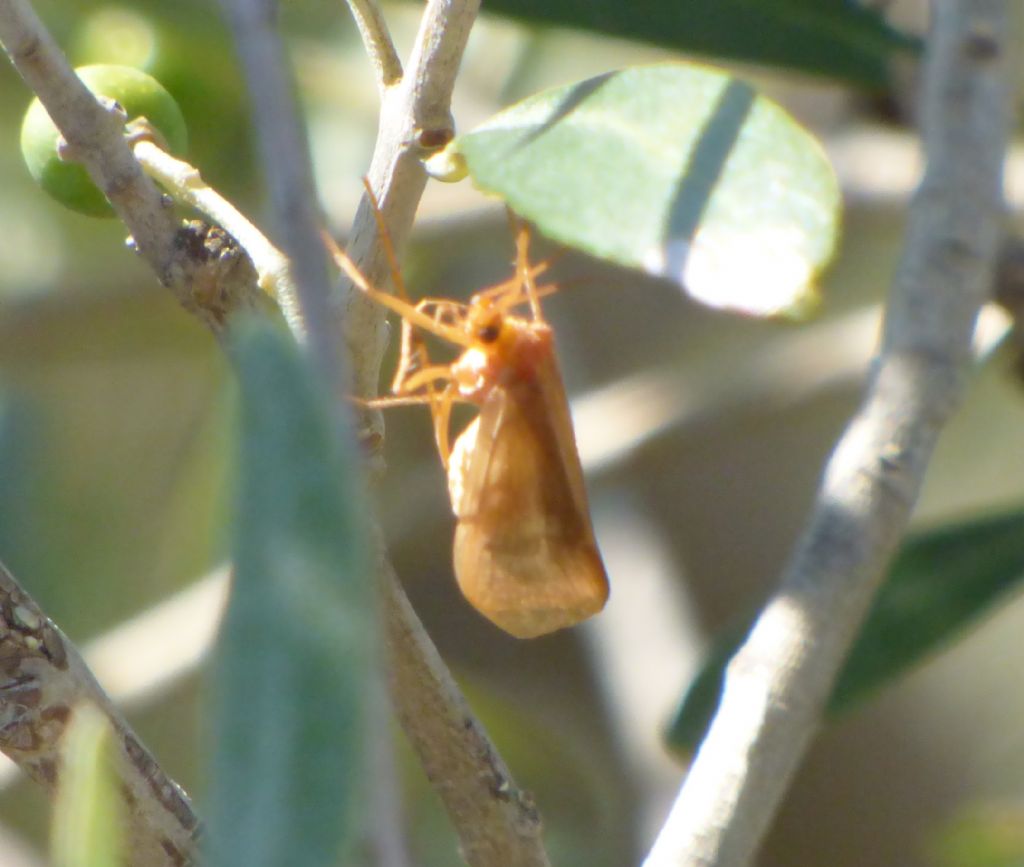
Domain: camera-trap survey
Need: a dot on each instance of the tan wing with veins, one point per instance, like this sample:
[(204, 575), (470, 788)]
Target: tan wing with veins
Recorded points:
[(525, 554)]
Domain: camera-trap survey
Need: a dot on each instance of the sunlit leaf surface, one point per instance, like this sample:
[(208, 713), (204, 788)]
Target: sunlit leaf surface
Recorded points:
[(680, 170)]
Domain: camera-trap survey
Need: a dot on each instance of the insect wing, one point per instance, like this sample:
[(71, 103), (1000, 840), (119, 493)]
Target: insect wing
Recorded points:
[(524, 553)]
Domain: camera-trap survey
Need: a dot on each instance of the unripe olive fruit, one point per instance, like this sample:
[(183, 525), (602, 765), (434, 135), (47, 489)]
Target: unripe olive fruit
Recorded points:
[(140, 95)]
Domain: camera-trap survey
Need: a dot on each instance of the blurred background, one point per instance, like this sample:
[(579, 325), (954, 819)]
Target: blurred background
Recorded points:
[(703, 435)]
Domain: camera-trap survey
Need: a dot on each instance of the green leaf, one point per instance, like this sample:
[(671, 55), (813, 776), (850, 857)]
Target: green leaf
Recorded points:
[(835, 38), (680, 170), (88, 828), (942, 581), (291, 675)]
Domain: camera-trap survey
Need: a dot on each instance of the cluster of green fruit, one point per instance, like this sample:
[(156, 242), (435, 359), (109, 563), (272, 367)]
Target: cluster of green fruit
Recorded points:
[(140, 95)]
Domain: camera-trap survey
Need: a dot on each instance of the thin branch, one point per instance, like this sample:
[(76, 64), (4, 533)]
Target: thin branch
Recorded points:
[(93, 132), (186, 185), (95, 135), (415, 120), (496, 824), (377, 41), (44, 678), (777, 684)]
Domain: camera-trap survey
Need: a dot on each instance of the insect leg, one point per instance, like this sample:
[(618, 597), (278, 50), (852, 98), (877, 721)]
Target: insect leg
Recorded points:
[(413, 354), (390, 400), (513, 284), (445, 311), (440, 403), (409, 356), (441, 412), (514, 299), (425, 377)]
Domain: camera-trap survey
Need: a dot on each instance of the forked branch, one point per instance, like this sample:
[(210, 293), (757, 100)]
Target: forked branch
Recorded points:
[(496, 824)]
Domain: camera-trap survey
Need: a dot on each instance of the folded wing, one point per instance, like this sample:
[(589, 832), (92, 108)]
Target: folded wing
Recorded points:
[(524, 553)]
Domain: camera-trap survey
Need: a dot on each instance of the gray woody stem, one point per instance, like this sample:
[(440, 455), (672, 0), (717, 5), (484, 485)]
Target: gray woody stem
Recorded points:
[(496, 823), (377, 41), (95, 135), (778, 682), (415, 119), (43, 680)]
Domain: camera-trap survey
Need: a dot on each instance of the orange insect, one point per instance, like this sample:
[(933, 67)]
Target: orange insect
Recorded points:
[(525, 555)]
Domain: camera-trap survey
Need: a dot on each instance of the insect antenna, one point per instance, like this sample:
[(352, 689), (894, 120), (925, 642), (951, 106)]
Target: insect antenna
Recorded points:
[(400, 306), (508, 291), (386, 242), (524, 274)]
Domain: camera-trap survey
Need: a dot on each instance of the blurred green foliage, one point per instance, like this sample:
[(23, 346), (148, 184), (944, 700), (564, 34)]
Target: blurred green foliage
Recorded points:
[(832, 38), (117, 431), (990, 835)]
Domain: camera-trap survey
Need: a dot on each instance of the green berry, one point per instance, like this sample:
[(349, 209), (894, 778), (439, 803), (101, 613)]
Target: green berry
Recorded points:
[(140, 95)]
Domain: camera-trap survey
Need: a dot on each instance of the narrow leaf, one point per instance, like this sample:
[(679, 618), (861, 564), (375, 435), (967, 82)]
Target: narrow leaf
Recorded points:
[(88, 828), (834, 38), (676, 169), (942, 581), (290, 679)]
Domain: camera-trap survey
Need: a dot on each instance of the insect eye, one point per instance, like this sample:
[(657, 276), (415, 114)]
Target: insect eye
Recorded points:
[(488, 333)]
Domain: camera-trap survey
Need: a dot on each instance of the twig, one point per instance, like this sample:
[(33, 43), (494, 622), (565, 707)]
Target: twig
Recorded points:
[(94, 134), (185, 183), (415, 120), (495, 822), (778, 682), (377, 41), (44, 678)]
